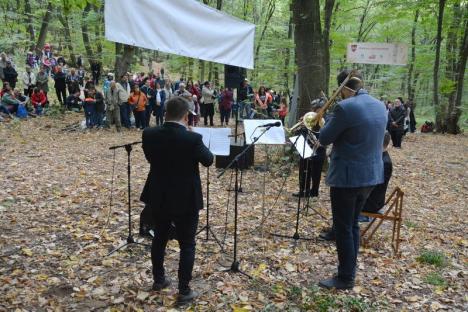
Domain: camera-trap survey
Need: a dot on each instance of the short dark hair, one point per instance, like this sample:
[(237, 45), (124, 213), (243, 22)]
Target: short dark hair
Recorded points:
[(354, 84), (176, 108), (386, 139)]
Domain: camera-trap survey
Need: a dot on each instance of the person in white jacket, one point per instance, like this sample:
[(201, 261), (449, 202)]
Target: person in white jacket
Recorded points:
[(29, 81)]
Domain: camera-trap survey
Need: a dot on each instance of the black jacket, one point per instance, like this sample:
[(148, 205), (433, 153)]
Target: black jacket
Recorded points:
[(173, 186), (60, 80), (99, 98), (11, 76), (397, 115)]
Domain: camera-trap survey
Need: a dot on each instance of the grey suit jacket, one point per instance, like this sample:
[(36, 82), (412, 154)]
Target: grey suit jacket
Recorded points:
[(356, 129)]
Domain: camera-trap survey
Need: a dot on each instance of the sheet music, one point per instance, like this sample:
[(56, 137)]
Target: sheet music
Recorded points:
[(299, 144), (274, 136), (219, 141), (216, 139)]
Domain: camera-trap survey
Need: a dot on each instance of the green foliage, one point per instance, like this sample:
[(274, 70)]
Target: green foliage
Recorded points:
[(433, 257), (435, 279), (447, 86)]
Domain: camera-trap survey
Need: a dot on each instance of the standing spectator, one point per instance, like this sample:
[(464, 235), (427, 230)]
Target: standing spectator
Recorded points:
[(225, 105), (283, 110), (160, 99), (125, 109), (151, 96), (244, 98), (107, 82), (60, 85), (100, 107), (79, 61), (47, 51), (89, 107), (11, 76), (396, 123), (207, 105), (81, 76), (29, 81), (138, 101), (3, 61), (157, 79), (114, 97), (42, 80), (38, 101), (31, 60), (96, 71), (73, 81), (168, 89), (262, 100)]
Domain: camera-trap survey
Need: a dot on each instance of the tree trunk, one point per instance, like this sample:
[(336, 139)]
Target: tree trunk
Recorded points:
[(454, 108), (67, 35), (439, 110), (329, 4), (29, 22), (123, 59), (411, 77), (84, 31), (309, 52), (287, 57), (98, 32), (44, 28), (201, 71)]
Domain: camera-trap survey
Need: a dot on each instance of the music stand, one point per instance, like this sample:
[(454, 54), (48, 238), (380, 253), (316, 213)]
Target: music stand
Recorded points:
[(130, 239), (234, 164)]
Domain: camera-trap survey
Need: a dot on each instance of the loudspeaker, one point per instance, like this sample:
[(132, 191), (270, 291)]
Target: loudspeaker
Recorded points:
[(233, 76), (244, 163)]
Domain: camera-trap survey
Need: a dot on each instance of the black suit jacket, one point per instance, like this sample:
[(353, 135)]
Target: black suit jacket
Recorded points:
[(173, 186), (376, 199)]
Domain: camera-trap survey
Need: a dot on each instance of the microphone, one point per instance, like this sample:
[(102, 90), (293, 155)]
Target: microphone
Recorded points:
[(271, 124)]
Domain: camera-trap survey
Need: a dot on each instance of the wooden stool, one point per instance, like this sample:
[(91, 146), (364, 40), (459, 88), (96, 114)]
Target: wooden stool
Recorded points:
[(392, 211)]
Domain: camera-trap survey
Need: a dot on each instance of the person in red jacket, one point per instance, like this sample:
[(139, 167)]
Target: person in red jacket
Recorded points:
[(38, 100), (283, 110)]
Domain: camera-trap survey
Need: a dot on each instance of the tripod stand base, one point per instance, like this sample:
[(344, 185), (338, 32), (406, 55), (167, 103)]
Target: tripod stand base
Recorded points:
[(296, 236), (208, 230), (235, 268), (130, 241)]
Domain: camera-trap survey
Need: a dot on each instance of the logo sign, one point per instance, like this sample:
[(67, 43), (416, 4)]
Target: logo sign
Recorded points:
[(377, 53)]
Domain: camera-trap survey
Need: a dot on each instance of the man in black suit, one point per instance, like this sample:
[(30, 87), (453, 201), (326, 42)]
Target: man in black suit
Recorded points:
[(173, 191)]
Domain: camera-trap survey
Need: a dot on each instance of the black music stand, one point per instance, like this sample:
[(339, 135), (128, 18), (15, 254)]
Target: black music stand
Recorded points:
[(130, 239), (235, 266), (296, 235)]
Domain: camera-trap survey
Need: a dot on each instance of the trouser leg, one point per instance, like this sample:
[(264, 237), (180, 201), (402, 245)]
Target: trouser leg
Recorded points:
[(316, 174), (158, 247)]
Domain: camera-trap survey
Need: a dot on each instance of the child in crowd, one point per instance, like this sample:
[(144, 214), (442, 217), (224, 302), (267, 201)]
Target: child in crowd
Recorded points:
[(283, 110)]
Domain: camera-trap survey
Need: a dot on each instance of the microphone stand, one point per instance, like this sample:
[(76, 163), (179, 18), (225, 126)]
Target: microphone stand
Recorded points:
[(130, 239), (235, 266), (207, 227)]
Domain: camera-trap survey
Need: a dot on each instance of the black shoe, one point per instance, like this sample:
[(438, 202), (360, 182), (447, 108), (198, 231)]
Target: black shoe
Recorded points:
[(300, 194), (157, 286), (186, 297), (328, 236), (337, 283)]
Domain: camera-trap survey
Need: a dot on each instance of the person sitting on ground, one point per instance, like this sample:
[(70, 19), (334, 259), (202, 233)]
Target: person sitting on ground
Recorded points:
[(5, 88), (38, 100), (9, 102), (138, 101), (73, 101), (73, 81), (376, 199)]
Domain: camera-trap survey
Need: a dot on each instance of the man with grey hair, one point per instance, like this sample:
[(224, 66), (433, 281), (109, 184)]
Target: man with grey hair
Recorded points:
[(114, 96), (173, 191)]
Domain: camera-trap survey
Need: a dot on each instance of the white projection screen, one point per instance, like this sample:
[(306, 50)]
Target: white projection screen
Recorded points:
[(183, 27)]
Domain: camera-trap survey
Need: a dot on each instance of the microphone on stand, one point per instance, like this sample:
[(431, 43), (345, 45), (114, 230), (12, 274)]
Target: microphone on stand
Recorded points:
[(271, 124)]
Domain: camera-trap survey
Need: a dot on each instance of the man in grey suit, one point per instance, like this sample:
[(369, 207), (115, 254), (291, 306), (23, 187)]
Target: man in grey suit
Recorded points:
[(356, 129)]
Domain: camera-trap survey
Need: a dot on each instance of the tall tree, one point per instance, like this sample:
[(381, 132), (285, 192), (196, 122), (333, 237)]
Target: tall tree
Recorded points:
[(412, 76), (123, 59), (438, 109), (68, 39), (309, 52), (29, 22), (44, 28)]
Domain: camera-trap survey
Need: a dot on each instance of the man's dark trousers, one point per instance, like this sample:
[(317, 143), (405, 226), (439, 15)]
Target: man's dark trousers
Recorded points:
[(186, 227), (125, 114), (346, 205)]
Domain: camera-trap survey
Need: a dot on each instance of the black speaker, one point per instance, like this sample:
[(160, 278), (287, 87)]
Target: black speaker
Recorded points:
[(244, 163), (233, 76)]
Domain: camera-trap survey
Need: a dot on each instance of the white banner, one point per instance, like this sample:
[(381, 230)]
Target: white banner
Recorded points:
[(182, 27), (377, 53)]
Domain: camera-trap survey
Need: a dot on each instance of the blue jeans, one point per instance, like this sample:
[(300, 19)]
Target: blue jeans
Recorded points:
[(98, 119), (346, 205), (90, 114), (149, 111), (125, 115), (159, 111), (248, 109)]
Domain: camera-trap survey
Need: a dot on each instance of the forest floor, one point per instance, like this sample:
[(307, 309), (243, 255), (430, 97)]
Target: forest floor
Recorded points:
[(55, 232)]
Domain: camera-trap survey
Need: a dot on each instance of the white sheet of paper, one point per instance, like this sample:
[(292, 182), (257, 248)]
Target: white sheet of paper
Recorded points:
[(205, 133), (274, 136), (216, 139), (299, 143)]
